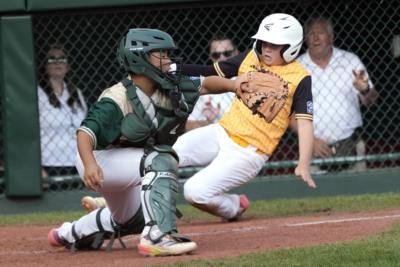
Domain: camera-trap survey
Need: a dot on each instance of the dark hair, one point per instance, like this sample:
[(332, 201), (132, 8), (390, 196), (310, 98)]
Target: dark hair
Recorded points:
[(44, 83), (220, 36)]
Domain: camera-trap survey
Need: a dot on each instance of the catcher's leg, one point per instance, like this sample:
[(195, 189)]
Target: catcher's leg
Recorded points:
[(158, 197), (90, 231), (121, 187)]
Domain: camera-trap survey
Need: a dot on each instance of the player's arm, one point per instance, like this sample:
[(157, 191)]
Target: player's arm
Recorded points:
[(228, 68), (93, 175), (216, 85), (100, 128), (305, 136), (303, 110)]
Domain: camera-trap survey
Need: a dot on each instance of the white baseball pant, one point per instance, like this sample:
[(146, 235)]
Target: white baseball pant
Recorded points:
[(229, 165), (121, 189)]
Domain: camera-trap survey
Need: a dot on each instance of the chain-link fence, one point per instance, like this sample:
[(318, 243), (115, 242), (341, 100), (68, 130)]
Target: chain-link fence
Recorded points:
[(2, 186), (90, 38)]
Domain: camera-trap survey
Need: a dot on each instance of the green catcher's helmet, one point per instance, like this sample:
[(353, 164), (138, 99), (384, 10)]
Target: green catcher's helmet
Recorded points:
[(134, 49)]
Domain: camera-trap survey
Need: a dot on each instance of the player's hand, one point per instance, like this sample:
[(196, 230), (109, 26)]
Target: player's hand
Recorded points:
[(241, 84), (360, 80), (211, 112), (93, 176), (305, 175), (321, 149)]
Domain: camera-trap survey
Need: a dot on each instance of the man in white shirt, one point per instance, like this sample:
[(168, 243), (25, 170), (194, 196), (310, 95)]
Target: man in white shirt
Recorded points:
[(340, 82)]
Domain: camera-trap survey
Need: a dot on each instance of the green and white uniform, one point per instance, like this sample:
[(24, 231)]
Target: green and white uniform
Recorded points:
[(132, 135)]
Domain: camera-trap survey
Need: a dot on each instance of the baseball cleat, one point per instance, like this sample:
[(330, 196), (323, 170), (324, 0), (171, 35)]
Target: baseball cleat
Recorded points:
[(89, 203), (54, 240), (167, 246), (244, 205)]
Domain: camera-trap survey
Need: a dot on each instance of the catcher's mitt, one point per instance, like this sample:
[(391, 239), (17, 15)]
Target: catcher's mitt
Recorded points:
[(264, 92)]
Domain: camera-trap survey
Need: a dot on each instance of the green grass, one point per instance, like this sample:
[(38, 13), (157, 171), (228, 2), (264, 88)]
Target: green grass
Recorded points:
[(40, 218), (379, 251), (305, 206), (258, 209)]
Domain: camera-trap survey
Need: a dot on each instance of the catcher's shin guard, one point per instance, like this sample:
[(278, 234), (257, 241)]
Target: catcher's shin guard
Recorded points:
[(95, 240), (159, 192)]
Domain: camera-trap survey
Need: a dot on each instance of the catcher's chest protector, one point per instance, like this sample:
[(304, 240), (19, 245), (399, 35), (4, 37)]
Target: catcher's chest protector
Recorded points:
[(138, 127)]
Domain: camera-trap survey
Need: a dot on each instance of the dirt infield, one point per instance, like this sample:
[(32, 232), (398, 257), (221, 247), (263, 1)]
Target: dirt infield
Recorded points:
[(27, 245)]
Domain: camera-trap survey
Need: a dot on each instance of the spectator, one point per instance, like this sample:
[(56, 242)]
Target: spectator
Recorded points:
[(339, 82), (210, 108), (61, 110)]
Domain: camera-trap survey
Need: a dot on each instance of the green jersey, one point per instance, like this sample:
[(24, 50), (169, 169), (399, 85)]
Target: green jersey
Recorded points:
[(124, 115)]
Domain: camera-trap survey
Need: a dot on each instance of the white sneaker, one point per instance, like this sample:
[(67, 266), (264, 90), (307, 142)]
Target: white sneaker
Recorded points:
[(167, 246), (89, 203)]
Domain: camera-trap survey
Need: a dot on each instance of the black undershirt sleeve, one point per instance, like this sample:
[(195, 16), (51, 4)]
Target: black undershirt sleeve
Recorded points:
[(229, 67), (302, 98)]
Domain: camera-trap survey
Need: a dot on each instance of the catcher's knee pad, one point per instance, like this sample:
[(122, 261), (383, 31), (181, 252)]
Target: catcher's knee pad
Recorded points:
[(95, 240), (159, 192)]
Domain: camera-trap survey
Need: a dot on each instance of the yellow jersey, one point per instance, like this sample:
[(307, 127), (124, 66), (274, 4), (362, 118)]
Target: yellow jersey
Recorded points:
[(240, 123)]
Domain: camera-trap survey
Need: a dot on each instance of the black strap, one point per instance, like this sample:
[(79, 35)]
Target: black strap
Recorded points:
[(98, 220), (74, 234), (117, 231), (99, 237), (72, 249), (178, 213), (142, 160)]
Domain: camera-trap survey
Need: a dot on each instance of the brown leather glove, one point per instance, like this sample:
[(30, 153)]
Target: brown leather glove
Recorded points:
[(264, 92)]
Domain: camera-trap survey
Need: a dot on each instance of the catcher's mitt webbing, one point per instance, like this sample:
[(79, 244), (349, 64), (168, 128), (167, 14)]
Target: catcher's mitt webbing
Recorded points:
[(263, 92)]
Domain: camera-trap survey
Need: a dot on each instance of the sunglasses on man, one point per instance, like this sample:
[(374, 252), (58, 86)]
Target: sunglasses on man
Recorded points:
[(57, 60), (226, 53)]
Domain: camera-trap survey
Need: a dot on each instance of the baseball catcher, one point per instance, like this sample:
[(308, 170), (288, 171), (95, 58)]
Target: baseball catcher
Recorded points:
[(263, 92)]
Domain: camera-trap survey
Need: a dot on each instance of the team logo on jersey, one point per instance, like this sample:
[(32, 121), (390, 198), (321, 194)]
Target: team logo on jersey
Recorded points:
[(310, 107)]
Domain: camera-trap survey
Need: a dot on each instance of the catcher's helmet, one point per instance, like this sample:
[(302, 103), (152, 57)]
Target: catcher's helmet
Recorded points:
[(281, 29), (133, 54)]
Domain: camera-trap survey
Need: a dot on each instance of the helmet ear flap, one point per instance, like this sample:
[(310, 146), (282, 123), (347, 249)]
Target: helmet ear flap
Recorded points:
[(283, 50), (257, 47)]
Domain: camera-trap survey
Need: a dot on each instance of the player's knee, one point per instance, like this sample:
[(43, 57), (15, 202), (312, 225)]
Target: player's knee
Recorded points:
[(192, 193)]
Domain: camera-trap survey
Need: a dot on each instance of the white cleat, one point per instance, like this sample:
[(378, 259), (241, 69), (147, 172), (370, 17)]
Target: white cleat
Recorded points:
[(167, 246)]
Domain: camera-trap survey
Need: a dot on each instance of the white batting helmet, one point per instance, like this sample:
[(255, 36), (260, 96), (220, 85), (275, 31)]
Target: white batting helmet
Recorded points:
[(280, 29)]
